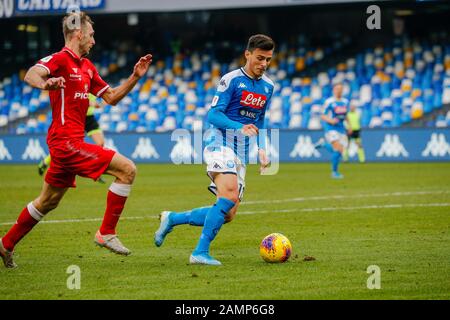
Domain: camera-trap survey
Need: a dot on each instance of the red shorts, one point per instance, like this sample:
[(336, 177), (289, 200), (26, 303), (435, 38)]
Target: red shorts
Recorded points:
[(73, 158)]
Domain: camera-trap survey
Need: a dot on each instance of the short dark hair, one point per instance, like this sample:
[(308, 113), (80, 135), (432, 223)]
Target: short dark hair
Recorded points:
[(260, 41)]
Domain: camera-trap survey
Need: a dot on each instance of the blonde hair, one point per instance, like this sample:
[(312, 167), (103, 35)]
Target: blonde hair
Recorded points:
[(74, 21)]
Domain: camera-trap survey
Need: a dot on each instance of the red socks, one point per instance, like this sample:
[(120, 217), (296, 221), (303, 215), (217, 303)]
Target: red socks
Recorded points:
[(28, 218), (117, 196)]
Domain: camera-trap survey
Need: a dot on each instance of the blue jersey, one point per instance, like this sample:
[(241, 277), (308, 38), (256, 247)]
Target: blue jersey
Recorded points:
[(239, 100), (335, 109)]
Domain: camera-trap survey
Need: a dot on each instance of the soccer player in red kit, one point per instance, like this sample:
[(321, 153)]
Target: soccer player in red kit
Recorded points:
[(70, 77)]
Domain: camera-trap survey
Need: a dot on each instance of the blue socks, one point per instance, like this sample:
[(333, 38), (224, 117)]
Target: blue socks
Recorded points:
[(213, 222), (329, 147), (335, 159), (195, 217)]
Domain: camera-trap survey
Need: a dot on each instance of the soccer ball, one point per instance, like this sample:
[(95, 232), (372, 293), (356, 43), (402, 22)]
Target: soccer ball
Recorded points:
[(275, 248)]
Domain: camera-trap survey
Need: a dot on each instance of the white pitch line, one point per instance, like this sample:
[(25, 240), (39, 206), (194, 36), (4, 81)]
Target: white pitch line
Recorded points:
[(387, 206), (354, 196)]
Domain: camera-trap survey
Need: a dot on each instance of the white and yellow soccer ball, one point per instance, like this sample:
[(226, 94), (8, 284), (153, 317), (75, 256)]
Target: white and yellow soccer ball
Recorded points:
[(275, 248)]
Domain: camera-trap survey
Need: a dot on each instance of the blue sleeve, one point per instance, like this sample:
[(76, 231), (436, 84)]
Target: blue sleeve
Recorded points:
[(261, 136), (216, 115), (218, 118)]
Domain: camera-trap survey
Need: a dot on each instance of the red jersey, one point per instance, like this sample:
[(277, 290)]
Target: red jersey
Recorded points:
[(70, 104)]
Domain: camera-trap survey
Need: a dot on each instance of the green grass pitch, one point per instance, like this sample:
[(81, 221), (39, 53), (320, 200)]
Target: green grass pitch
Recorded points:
[(395, 216)]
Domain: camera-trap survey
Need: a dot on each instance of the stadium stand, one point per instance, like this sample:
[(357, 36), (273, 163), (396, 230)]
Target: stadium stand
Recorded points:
[(391, 85)]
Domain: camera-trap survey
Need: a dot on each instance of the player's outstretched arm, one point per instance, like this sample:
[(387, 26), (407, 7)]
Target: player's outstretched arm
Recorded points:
[(37, 77), (113, 95)]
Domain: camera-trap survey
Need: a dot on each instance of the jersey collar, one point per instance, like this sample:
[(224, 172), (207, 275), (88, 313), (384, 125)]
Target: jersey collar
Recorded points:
[(248, 76), (73, 54)]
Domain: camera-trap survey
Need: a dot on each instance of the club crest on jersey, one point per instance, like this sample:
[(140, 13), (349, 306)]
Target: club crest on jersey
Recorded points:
[(90, 73), (75, 70), (253, 100)]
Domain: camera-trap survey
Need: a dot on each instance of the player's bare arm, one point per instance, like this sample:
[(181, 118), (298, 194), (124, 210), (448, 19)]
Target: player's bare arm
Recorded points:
[(37, 77), (113, 95), (263, 160)]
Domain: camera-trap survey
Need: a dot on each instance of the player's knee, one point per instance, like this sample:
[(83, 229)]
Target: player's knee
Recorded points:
[(48, 204), (129, 172), (232, 195), (231, 214)]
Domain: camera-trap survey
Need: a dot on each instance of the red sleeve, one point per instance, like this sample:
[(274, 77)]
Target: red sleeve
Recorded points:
[(50, 63), (98, 85)]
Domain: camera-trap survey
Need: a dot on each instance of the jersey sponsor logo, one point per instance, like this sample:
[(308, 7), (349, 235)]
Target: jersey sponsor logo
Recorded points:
[(242, 85), (81, 95), (183, 151), (75, 77), (33, 151), (253, 100), (392, 147), (4, 152), (145, 150), (304, 148), (248, 114), (437, 146)]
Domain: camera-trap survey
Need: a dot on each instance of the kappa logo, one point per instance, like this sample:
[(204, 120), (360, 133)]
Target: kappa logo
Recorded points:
[(437, 146), (4, 152), (352, 149), (304, 148), (217, 166), (242, 85), (392, 147), (33, 151), (183, 152), (145, 150), (109, 144)]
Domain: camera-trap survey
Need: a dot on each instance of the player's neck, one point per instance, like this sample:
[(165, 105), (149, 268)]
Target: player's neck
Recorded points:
[(249, 72), (75, 48)]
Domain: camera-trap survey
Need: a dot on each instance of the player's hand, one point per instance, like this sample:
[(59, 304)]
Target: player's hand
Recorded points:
[(54, 83), (250, 130), (141, 67), (334, 121), (263, 160)]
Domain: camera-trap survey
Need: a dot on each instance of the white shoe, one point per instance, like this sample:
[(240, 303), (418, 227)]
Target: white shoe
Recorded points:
[(111, 242)]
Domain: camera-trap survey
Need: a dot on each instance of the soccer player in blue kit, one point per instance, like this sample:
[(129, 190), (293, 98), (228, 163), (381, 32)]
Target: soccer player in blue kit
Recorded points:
[(334, 116), (237, 113)]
